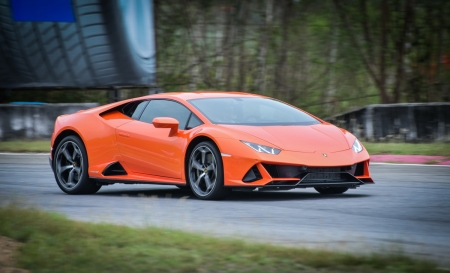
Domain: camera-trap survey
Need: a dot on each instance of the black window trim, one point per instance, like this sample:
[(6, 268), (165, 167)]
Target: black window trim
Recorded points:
[(189, 120), (148, 101), (135, 101)]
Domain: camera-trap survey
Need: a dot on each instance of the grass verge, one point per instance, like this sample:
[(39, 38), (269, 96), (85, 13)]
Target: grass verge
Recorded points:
[(436, 148), (22, 146), (53, 243)]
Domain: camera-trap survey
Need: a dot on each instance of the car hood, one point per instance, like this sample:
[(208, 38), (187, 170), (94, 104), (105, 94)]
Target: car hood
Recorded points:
[(307, 139)]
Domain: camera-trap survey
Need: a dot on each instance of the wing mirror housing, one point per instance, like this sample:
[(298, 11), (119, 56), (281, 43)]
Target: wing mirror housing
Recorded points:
[(165, 122)]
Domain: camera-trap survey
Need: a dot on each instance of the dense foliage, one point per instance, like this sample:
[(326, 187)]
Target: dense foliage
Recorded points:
[(324, 56)]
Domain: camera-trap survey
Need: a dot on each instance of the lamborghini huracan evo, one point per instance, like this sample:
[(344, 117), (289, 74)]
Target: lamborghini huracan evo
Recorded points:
[(207, 142)]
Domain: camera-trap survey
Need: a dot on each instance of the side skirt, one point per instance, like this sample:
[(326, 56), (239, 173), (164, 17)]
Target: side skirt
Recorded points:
[(106, 182)]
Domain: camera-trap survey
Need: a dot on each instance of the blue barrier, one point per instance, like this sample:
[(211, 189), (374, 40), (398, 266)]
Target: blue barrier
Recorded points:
[(42, 11)]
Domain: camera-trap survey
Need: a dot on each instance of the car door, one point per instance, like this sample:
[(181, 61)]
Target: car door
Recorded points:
[(149, 150)]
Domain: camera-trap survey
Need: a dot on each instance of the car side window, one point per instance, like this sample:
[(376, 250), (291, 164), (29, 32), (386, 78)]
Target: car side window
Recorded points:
[(134, 109), (166, 108), (194, 121)]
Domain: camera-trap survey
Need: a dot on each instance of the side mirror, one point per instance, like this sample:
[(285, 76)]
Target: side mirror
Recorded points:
[(164, 122)]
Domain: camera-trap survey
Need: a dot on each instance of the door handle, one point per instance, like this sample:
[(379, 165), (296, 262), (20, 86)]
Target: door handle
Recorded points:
[(124, 134)]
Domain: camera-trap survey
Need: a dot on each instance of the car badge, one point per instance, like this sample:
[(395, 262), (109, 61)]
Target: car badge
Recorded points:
[(325, 155)]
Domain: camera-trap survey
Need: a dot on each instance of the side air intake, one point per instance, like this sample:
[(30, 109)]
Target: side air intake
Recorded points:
[(252, 175), (359, 169), (114, 169)]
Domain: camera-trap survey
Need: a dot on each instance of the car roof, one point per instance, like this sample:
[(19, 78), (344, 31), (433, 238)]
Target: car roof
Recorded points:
[(201, 95)]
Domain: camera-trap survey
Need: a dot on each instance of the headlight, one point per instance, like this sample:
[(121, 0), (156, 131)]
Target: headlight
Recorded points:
[(357, 147), (262, 148)]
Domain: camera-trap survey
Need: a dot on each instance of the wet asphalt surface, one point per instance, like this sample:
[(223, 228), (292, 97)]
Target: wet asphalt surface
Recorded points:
[(406, 211)]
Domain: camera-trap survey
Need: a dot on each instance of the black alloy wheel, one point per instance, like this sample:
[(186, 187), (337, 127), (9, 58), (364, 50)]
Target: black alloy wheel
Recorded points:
[(205, 172), (70, 165)]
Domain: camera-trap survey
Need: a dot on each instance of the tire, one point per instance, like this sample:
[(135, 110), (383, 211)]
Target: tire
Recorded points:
[(95, 50), (205, 172), (331, 190), (70, 165)]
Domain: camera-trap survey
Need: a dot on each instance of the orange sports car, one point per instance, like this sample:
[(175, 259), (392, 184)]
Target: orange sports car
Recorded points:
[(208, 142)]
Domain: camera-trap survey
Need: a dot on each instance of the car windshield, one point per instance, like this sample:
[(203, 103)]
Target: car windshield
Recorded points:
[(251, 111)]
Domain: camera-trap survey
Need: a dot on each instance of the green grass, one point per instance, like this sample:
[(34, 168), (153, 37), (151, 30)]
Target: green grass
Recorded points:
[(53, 243), (21, 146), (436, 148)]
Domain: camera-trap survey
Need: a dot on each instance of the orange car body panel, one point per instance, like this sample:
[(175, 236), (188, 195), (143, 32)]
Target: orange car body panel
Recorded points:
[(155, 154), (153, 151)]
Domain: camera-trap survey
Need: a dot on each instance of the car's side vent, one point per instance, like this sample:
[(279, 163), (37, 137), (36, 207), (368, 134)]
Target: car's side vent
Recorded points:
[(359, 169), (114, 169), (114, 114), (252, 175)]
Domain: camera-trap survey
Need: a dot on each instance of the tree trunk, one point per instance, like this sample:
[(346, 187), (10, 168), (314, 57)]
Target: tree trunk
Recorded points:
[(334, 36), (242, 53), (263, 44), (280, 74), (383, 48), (401, 51), (227, 47), (219, 50), (366, 30)]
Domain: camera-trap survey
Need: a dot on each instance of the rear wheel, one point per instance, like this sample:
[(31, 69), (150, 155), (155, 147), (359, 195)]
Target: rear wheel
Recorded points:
[(71, 167), (331, 190), (205, 172)]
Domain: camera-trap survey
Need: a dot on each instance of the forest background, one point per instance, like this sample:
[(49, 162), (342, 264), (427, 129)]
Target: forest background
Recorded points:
[(325, 57)]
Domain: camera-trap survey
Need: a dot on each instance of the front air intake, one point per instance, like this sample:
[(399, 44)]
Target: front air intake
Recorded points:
[(252, 175), (359, 169), (284, 171)]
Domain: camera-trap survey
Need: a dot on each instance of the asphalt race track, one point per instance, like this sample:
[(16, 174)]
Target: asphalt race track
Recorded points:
[(407, 210)]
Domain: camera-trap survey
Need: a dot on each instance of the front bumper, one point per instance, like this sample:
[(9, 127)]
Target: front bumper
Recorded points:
[(50, 161), (346, 180), (307, 180), (297, 170)]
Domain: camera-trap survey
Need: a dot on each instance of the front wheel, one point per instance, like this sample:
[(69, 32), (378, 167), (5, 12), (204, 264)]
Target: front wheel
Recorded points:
[(71, 167), (331, 190), (205, 172)]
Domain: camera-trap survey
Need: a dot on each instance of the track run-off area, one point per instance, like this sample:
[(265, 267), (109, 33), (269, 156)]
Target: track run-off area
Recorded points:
[(406, 211)]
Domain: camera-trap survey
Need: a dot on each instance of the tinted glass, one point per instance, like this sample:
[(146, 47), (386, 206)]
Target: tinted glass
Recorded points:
[(139, 109), (134, 109), (166, 108), (251, 111), (194, 121)]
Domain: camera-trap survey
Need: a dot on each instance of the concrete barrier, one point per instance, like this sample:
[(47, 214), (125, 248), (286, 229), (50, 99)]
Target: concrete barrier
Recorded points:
[(34, 121), (409, 122)]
